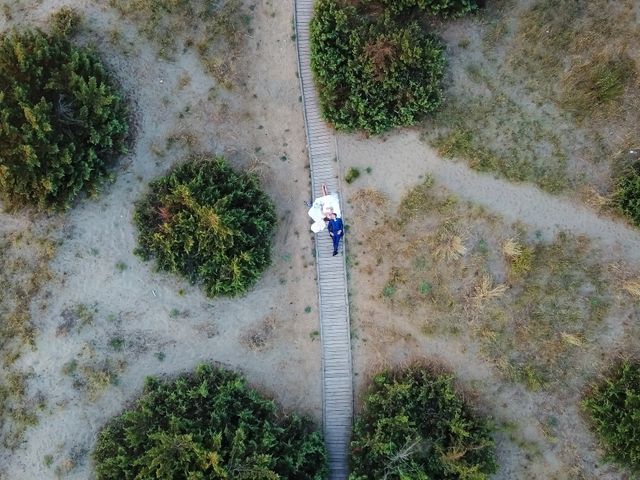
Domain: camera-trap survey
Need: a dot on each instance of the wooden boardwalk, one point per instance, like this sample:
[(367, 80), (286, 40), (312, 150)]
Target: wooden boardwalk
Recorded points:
[(337, 383)]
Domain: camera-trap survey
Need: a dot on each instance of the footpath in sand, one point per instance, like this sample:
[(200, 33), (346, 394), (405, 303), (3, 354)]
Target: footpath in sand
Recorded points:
[(399, 159)]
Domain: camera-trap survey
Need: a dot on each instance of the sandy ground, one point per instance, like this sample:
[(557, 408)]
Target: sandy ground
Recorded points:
[(145, 308), (388, 337), (398, 160)]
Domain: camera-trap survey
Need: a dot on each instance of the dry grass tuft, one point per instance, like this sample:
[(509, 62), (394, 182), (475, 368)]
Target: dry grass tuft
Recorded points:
[(592, 86), (258, 338), (449, 246), (594, 199), (520, 257), (369, 200), (512, 248), (632, 287), (485, 291), (260, 168), (422, 200), (571, 339)]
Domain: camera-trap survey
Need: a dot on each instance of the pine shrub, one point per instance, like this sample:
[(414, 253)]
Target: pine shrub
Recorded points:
[(443, 8), (627, 193), (208, 425), (614, 410), (375, 63), (61, 120), (207, 222), (415, 425)]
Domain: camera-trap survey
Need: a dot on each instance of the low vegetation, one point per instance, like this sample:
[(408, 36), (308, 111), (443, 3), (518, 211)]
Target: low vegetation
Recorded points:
[(24, 269), (627, 193), (414, 424), (352, 175), (209, 223), (544, 92), (208, 425), (376, 64), (613, 408), (65, 21), (62, 121), (599, 68), (558, 303), (522, 163), (534, 307), (598, 83), (216, 30)]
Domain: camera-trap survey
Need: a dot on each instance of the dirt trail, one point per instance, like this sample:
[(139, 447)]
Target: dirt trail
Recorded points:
[(541, 211)]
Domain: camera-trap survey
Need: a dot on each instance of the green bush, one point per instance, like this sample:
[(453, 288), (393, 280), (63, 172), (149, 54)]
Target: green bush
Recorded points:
[(614, 411), (415, 425), (65, 21), (208, 223), (352, 174), (208, 425), (375, 65), (627, 193), (61, 120), (444, 8)]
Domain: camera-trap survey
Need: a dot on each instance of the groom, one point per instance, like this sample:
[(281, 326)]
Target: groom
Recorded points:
[(336, 230)]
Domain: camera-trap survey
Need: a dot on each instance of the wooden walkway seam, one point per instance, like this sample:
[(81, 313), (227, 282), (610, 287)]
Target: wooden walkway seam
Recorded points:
[(337, 376)]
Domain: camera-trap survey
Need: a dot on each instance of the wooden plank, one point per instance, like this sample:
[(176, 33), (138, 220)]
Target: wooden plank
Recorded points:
[(333, 295), (332, 336), (331, 342), (331, 339), (329, 301), (333, 330), (334, 313), (331, 283), (336, 348), (338, 314), (335, 320)]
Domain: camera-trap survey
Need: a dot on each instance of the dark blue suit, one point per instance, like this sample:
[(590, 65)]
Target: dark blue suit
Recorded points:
[(336, 230)]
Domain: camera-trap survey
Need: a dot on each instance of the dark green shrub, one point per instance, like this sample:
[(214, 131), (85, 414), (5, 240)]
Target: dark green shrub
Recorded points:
[(627, 193), (61, 120), (415, 425), (614, 410), (208, 425), (352, 174), (208, 223), (443, 8), (375, 64)]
